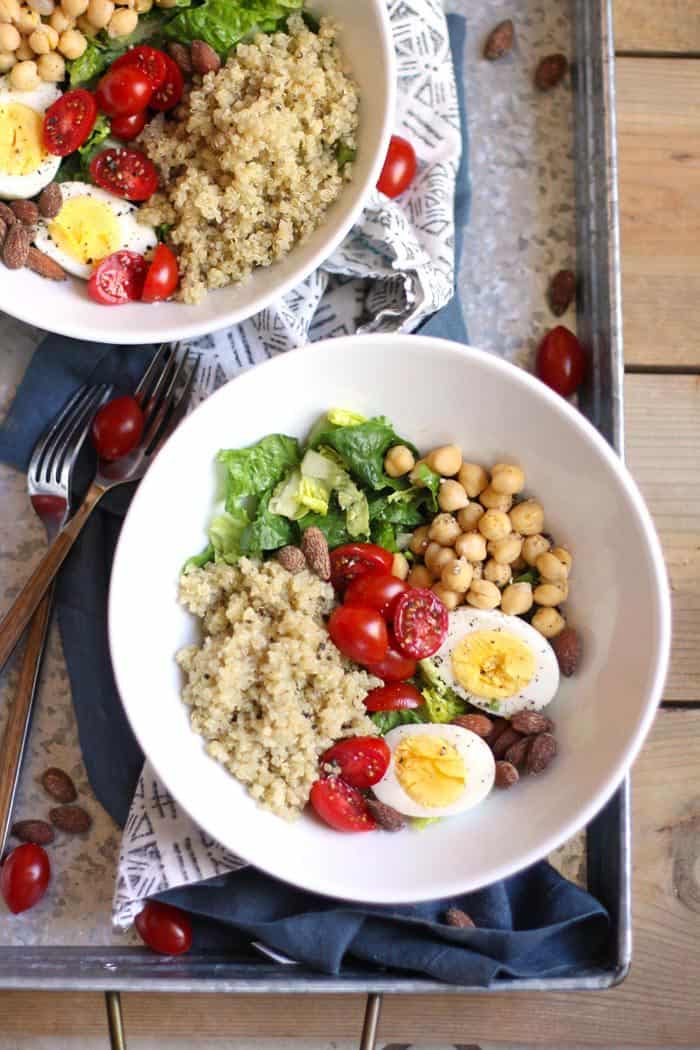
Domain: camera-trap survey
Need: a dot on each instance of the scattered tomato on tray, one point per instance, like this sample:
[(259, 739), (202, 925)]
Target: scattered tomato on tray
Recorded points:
[(561, 361), (164, 928), (24, 877), (399, 167), (117, 428)]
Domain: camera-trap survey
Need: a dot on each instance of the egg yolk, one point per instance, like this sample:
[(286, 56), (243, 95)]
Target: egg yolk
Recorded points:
[(430, 770), (85, 229), (493, 664), (21, 139)]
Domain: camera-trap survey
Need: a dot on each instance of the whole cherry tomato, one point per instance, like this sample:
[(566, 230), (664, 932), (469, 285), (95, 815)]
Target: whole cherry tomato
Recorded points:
[(356, 559), (127, 128), (394, 666), (360, 634), (149, 60), (24, 877), (420, 622), (117, 427), (375, 592), (362, 760), (162, 277), (164, 929), (123, 90), (395, 697), (69, 121), (126, 172), (341, 806), (399, 167), (561, 361), (118, 278)]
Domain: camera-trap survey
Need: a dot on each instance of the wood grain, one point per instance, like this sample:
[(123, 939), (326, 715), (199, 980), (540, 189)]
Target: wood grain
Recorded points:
[(659, 158), (666, 25)]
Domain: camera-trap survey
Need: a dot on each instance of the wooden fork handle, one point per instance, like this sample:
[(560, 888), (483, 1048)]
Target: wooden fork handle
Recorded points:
[(26, 602)]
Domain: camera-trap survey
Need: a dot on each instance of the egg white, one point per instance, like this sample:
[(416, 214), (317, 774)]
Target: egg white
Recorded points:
[(13, 187), (135, 236), (478, 761), (539, 691)]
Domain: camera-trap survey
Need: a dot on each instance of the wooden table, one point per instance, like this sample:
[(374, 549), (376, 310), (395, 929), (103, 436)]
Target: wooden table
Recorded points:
[(658, 43)]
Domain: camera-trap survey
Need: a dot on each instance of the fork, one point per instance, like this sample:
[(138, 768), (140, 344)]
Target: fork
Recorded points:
[(163, 393), (49, 481)]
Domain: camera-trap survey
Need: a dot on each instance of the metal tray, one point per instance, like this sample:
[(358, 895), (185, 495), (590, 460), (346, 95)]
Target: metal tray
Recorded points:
[(79, 952)]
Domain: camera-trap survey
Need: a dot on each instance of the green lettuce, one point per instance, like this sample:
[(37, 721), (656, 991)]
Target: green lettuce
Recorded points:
[(387, 720), (102, 49), (311, 486), (77, 165), (223, 23), (267, 531), (333, 525), (254, 470), (421, 823), (362, 448), (441, 702)]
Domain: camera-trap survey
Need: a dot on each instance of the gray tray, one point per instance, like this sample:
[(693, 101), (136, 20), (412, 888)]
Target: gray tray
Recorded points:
[(571, 152)]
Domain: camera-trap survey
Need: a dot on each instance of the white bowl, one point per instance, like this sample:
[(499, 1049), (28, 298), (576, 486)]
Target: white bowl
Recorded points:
[(367, 47), (434, 392)]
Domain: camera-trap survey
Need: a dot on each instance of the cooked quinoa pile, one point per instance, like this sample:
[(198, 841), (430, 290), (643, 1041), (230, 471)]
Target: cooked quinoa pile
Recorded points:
[(268, 690), (253, 167)]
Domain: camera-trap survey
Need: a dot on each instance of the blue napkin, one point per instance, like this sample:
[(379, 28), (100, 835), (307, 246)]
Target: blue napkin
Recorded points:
[(533, 924)]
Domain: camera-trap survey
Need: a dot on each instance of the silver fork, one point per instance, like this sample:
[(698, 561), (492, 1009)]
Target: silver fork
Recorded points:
[(49, 481), (163, 393)]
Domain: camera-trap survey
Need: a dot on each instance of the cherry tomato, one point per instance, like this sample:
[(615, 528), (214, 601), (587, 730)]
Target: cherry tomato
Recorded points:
[(395, 697), (170, 91), (148, 60), (126, 172), (164, 929), (117, 427), (123, 90), (341, 806), (375, 592), (356, 559), (118, 278), (399, 167), (394, 666), (24, 877), (420, 622), (69, 121), (363, 760), (561, 361), (127, 128), (360, 634), (162, 276)]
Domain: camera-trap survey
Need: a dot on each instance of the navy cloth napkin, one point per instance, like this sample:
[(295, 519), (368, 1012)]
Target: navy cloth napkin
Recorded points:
[(533, 924)]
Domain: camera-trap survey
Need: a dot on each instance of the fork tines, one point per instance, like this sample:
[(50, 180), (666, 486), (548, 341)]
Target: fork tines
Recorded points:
[(55, 450), (164, 391)]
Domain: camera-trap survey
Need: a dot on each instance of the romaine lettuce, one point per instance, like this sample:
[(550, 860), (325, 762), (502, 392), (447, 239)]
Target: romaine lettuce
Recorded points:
[(223, 23), (362, 448)]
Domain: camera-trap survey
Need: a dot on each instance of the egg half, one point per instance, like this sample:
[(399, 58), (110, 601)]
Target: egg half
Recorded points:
[(435, 770), (25, 166), (91, 224), (497, 662)]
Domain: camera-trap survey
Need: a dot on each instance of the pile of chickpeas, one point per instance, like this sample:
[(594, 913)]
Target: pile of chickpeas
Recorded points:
[(483, 537), (38, 36)]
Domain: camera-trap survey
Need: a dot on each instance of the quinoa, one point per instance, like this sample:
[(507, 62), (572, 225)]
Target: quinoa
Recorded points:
[(267, 689), (252, 168)]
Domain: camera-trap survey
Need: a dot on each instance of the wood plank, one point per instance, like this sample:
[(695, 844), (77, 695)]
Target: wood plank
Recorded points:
[(665, 25), (659, 156)]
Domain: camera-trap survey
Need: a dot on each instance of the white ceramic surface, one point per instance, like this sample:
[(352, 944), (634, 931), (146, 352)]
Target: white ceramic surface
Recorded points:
[(434, 392), (366, 43)]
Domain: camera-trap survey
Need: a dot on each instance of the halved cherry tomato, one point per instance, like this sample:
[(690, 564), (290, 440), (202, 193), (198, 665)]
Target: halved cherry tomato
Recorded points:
[(24, 877), (117, 427), (399, 167), (420, 622), (356, 559), (118, 278), (164, 929), (395, 697), (363, 760), (123, 90), (127, 128), (394, 666), (376, 592), (126, 172), (360, 634), (149, 60), (69, 121), (561, 361), (162, 276), (170, 91), (341, 806)]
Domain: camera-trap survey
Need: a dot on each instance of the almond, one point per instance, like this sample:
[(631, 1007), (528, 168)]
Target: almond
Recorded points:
[(540, 753), (551, 71), (561, 292), (516, 753), (388, 818), (59, 785), (499, 726), (506, 775), (6, 214), (291, 558), (500, 40), (44, 265), (50, 200), (25, 212), (36, 831), (459, 919), (479, 724), (567, 647), (3, 231), (16, 247), (180, 56), (204, 58), (74, 820), (530, 722), (315, 547), (507, 738)]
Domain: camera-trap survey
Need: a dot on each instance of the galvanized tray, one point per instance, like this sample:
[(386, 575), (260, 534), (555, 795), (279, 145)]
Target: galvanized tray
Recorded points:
[(544, 182)]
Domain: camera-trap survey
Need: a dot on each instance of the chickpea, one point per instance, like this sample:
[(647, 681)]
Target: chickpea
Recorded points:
[(399, 460), (86, 27), (414, 477), (506, 477), (74, 8), (506, 551), (419, 576), (122, 22), (27, 21), (42, 7), (72, 44), (60, 21), (472, 546), (477, 570), (445, 460), (494, 525), (142, 6), (24, 52), (564, 556), (533, 546), (483, 595), (51, 68), (7, 61), (419, 540), (497, 573), (400, 567), (124, 3), (444, 530), (9, 37), (437, 558), (166, 3), (43, 40), (457, 576), (99, 12), (24, 77), (527, 517), (9, 10), (452, 496), (549, 567), (517, 599), (450, 599), (548, 622), (551, 594), (469, 516), (493, 500), (474, 479)]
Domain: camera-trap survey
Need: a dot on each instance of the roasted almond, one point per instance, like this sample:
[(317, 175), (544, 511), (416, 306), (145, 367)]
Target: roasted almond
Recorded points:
[(500, 40), (50, 200), (204, 58), (7, 214), (180, 56), (567, 647), (459, 919), (25, 212), (3, 231), (540, 753), (561, 291), (507, 738), (551, 71), (388, 818), (74, 820), (479, 724), (517, 752), (16, 247), (44, 265), (38, 832), (315, 548), (59, 785), (530, 722), (506, 775), (291, 558), (499, 726)]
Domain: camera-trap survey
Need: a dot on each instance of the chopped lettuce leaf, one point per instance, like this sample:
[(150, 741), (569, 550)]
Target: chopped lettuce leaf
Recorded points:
[(429, 480), (224, 23), (285, 498), (344, 155), (198, 561), (384, 536), (531, 576), (253, 470), (333, 525), (310, 487), (225, 532), (76, 166), (342, 417), (362, 448), (441, 702), (387, 720), (421, 823), (314, 494), (267, 532)]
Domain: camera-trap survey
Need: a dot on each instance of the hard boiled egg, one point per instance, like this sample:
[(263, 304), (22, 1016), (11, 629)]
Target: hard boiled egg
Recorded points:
[(435, 770), (25, 166), (497, 662), (91, 224)]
